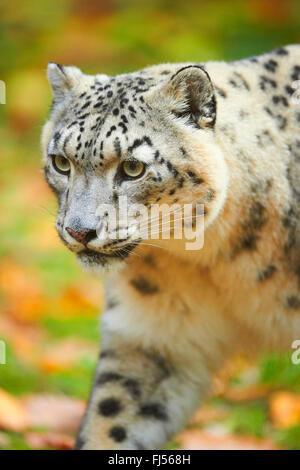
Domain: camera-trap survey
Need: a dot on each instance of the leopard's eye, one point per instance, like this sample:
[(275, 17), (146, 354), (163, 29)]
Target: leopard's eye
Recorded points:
[(133, 168), (61, 164)]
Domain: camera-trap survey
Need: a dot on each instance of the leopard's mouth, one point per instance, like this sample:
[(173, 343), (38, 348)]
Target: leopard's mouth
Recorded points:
[(88, 256)]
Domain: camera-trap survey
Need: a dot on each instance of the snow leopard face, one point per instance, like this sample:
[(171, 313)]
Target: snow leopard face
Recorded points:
[(142, 138)]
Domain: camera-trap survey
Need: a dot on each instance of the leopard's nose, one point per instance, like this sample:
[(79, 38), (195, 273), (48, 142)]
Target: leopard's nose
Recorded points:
[(83, 236)]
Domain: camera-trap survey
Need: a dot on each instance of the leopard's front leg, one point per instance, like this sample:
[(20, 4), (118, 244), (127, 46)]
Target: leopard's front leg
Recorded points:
[(140, 398)]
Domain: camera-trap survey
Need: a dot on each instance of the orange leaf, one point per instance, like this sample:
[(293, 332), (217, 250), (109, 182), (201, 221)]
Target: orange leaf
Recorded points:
[(207, 414), (84, 298), (49, 439), (65, 354), (252, 392), (55, 412), (285, 409), (13, 416), (202, 440), (22, 291)]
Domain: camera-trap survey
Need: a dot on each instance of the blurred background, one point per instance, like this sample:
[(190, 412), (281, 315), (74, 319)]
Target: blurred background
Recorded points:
[(48, 307)]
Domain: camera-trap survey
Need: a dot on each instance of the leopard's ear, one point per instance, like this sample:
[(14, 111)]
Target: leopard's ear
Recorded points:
[(62, 79), (190, 94)]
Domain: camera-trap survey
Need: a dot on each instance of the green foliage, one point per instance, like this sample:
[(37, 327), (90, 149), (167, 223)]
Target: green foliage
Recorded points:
[(289, 438), (75, 382), (249, 418), (279, 371), (63, 327), (18, 378), (16, 441)]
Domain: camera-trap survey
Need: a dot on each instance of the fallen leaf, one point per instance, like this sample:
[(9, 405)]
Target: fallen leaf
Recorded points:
[(22, 291), (238, 366), (49, 439), (82, 298), (202, 440), (252, 392), (64, 354), (13, 416), (285, 409), (26, 340), (207, 414), (54, 412)]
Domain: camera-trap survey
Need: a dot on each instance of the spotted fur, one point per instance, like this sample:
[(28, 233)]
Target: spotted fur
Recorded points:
[(222, 134)]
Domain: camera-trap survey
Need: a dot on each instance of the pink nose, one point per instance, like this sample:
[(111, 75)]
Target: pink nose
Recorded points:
[(83, 236)]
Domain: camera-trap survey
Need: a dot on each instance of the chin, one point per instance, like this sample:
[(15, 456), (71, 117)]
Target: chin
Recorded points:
[(95, 262)]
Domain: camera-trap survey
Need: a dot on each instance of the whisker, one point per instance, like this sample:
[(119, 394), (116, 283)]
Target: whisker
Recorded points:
[(170, 228), (155, 219), (46, 210), (183, 219)]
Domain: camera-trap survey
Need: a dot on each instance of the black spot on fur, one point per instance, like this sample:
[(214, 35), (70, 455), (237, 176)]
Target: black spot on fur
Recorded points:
[(111, 303), (133, 388), (266, 273), (290, 91), (117, 147), (210, 195), (296, 72), (163, 367), (264, 138), (256, 216), (248, 242), (144, 286), (238, 81), (118, 433), (261, 186), (243, 114), (108, 353), (251, 227), (138, 142), (290, 222), (281, 51), (154, 411), (150, 260), (266, 83), (56, 137), (271, 65), (293, 301), (280, 99), (280, 120), (109, 407), (196, 180), (106, 377)]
